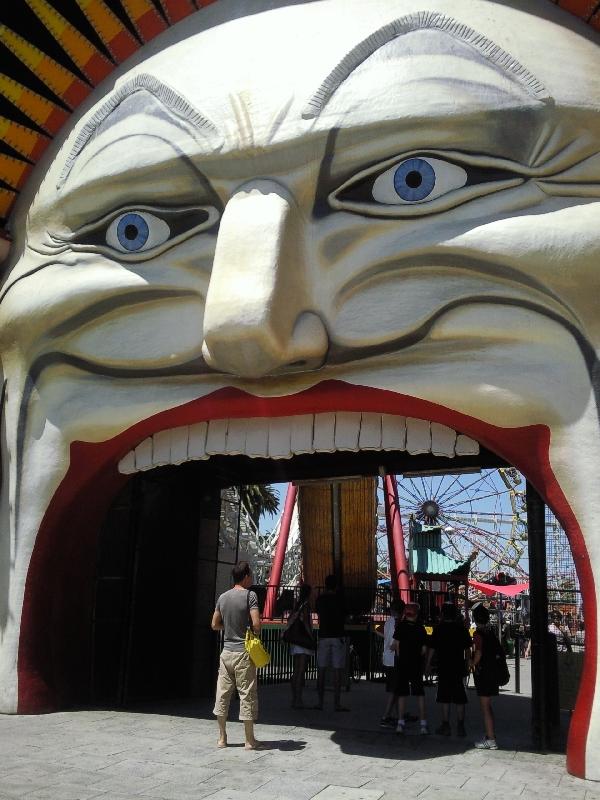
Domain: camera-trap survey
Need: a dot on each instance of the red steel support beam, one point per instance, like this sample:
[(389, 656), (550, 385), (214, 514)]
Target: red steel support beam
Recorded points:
[(398, 562), (390, 542), (280, 548)]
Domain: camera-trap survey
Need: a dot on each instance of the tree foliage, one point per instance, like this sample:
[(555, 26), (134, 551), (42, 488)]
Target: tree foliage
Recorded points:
[(259, 499)]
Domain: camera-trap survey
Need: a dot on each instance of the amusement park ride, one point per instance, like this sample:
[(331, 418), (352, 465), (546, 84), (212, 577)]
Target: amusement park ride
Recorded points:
[(482, 511), (481, 514)]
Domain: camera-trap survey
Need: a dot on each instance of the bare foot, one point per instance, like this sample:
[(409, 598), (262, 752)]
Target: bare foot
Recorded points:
[(222, 743), (255, 745)]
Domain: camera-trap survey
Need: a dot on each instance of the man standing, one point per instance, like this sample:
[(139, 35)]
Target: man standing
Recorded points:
[(331, 650), (233, 613), (451, 643)]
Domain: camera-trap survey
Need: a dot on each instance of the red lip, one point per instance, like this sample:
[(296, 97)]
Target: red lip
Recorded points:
[(63, 558)]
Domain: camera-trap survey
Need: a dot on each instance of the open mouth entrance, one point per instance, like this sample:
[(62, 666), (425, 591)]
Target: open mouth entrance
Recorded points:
[(173, 533), (166, 550), (160, 484)]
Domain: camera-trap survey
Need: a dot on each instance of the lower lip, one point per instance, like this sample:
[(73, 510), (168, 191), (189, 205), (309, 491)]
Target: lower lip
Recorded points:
[(70, 526)]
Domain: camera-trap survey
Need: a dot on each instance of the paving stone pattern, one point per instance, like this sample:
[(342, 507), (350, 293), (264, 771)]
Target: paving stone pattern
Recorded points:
[(170, 754)]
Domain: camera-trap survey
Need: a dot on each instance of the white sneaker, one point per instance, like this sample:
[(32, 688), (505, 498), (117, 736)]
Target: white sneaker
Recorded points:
[(400, 730), (486, 744), (424, 729)]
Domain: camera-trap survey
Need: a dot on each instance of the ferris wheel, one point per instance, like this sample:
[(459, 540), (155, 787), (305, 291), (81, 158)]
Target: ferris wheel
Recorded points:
[(483, 512)]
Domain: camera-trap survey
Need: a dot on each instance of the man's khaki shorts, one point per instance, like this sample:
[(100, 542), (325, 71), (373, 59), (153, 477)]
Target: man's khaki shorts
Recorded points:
[(236, 671)]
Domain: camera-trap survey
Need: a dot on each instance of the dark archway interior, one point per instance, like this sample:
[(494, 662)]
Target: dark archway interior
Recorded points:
[(146, 642), (158, 566)]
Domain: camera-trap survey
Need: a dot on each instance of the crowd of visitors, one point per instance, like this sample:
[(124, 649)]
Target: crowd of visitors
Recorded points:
[(409, 654)]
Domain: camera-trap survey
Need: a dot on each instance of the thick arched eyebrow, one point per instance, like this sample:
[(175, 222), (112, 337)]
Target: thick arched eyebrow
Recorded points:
[(422, 20), (164, 94)]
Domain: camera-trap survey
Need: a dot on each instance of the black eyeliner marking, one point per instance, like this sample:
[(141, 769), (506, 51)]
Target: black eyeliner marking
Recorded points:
[(321, 207)]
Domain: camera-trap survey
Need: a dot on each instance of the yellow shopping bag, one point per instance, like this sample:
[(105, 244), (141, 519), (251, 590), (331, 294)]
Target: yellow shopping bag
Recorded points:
[(255, 650)]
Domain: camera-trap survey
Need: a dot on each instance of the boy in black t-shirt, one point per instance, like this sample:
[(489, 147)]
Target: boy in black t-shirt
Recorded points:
[(452, 644), (410, 644)]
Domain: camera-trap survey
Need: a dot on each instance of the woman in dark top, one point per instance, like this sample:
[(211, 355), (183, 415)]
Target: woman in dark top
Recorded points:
[(301, 654)]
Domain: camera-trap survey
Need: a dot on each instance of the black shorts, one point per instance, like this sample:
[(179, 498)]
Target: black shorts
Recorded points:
[(485, 686), (451, 689), (409, 683), (390, 679)]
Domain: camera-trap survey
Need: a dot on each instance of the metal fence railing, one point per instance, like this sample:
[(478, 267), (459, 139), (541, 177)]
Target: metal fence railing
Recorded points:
[(281, 666), (362, 604), (364, 652), (565, 607)]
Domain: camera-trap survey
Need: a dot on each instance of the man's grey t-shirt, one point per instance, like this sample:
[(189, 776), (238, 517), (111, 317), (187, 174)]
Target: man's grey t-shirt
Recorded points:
[(233, 606)]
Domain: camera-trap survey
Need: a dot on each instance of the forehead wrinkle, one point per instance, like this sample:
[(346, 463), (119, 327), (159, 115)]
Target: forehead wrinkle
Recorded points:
[(422, 20), (166, 96)]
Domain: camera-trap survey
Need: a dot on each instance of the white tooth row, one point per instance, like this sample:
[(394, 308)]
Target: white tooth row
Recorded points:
[(284, 437)]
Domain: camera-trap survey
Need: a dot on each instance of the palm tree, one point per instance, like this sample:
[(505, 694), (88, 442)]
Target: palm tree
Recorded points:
[(259, 499)]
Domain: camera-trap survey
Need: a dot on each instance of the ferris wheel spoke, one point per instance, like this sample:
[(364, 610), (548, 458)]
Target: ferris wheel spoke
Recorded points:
[(413, 489), (455, 547), (452, 483), (463, 488), (478, 498), (407, 501), (426, 491), (409, 493), (437, 490), (473, 500), (496, 556), (490, 481), (486, 533), (478, 530), (500, 515), (413, 494)]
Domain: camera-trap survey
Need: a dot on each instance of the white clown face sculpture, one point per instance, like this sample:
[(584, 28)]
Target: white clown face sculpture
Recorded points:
[(333, 208)]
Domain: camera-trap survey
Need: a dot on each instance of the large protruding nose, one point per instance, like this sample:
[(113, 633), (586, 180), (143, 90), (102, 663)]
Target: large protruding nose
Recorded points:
[(258, 318)]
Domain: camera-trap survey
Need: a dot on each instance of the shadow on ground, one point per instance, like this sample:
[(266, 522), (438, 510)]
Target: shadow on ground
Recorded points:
[(358, 732)]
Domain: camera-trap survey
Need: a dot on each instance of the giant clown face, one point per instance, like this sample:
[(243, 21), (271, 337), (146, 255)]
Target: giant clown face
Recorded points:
[(273, 223)]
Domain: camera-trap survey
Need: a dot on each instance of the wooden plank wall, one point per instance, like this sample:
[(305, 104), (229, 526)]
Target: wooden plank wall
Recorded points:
[(358, 528), (314, 517), (358, 522)]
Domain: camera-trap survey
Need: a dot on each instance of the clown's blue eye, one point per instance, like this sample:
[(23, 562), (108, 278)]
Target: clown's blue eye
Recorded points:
[(132, 231), (417, 180), (419, 184), (414, 179), (136, 231)]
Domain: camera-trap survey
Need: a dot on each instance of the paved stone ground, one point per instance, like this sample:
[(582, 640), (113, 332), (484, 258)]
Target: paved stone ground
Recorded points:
[(171, 755)]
